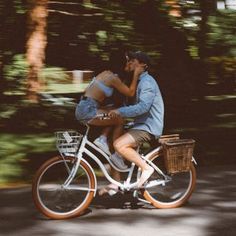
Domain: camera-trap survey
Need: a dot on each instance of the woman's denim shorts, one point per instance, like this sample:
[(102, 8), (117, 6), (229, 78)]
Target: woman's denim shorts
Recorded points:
[(86, 109)]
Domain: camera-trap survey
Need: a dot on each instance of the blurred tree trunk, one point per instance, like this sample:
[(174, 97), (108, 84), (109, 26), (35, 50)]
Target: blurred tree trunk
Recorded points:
[(174, 7), (1, 46), (36, 44), (6, 29), (206, 8)]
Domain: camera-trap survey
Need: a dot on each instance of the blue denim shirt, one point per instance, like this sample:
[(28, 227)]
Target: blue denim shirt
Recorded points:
[(149, 108)]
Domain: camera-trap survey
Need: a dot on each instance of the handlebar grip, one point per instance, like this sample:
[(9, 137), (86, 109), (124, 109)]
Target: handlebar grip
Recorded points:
[(102, 115)]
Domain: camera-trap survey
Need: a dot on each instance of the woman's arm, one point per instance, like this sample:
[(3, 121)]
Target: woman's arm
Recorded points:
[(123, 88)]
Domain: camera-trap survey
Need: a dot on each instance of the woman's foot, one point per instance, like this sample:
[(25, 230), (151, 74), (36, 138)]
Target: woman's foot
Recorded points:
[(118, 161), (145, 176), (101, 142)]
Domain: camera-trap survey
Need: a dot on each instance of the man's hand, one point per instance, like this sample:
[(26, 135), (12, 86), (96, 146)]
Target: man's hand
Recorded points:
[(113, 113)]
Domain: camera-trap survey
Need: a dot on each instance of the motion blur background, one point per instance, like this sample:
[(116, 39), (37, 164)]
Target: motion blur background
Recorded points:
[(49, 50)]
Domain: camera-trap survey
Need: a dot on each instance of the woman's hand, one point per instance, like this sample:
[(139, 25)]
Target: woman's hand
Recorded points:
[(139, 69)]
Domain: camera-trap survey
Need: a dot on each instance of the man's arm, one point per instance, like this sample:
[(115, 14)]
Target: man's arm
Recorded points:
[(145, 101)]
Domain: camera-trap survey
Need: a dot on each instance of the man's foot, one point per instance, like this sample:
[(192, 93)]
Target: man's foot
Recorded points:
[(111, 189), (145, 176), (118, 161), (102, 144)]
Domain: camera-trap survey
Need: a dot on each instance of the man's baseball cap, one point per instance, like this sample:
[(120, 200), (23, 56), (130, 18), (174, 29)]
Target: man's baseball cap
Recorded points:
[(140, 56)]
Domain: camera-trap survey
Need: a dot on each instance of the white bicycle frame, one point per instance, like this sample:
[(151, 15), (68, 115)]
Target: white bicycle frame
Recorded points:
[(127, 185)]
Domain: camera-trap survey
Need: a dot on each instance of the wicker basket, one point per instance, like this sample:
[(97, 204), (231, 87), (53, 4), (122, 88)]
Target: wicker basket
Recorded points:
[(68, 141), (178, 155)]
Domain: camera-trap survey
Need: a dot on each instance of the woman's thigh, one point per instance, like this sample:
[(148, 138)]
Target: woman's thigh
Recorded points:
[(108, 121)]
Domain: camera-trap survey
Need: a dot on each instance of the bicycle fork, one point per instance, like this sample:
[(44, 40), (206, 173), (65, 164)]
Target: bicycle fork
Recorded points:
[(76, 166)]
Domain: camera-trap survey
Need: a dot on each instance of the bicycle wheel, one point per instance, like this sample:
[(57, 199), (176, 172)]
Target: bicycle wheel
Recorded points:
[(175, 191), (59, 202)]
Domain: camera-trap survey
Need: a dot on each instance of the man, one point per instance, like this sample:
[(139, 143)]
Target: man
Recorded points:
[(148, 112)]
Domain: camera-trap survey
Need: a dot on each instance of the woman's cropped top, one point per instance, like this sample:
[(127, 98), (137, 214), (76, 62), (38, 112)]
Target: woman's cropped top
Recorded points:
[(108, 91)]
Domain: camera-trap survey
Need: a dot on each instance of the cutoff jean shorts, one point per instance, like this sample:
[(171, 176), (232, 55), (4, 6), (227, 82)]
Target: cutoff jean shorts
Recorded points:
[(86, 109)]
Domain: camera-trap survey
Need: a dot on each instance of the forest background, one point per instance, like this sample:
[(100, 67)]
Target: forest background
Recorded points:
[(45, 46)]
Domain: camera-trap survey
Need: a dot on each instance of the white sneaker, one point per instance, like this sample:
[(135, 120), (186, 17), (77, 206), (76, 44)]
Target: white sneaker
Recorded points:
[(146, 174), (102, 145), (118, 161)]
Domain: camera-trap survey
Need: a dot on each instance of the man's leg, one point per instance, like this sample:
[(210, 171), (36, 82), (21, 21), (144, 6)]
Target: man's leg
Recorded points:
[(125, 145)]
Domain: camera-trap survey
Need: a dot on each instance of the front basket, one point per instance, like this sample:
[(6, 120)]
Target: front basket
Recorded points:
[(68, 141), (178, 155)]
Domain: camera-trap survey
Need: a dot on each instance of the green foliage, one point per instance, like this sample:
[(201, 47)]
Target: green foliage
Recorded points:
[(16, 151), (222, 68), (221, 34), (51, 75), (20, 6), (15, 73), (17, 69)]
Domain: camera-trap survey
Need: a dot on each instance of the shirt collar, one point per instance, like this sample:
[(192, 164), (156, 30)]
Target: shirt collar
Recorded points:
[(143, 75)]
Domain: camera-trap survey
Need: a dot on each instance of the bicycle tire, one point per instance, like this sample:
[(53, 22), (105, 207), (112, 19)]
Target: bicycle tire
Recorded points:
[(174, 193), (44, 185)]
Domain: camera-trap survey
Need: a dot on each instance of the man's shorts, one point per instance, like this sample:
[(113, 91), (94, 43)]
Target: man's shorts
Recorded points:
[(140, 136)]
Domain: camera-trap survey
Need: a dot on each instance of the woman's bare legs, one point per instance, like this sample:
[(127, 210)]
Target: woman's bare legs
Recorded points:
[(116, 122), (117, 125)]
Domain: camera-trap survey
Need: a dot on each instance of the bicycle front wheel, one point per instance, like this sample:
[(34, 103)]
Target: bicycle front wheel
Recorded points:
[(173, 192), (53, 198)]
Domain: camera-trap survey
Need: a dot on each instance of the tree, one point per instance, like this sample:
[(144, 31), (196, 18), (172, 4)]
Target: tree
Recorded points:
[(36, 44), (206, 8)]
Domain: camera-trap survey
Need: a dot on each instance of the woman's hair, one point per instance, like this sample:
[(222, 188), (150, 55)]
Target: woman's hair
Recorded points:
[(117, 62)]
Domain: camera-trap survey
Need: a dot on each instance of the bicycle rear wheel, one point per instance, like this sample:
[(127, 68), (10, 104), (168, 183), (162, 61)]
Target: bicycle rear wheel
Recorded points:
[(56, 201), (175, 191)]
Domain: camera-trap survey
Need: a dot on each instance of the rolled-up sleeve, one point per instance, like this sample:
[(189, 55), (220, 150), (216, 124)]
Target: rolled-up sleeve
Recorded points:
[(146, 93)]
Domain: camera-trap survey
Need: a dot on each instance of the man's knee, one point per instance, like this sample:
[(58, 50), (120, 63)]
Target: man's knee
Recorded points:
[(117, 145), (122, 143)]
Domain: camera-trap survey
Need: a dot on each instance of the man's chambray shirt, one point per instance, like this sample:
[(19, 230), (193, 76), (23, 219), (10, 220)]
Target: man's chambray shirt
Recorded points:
[(149, 108)]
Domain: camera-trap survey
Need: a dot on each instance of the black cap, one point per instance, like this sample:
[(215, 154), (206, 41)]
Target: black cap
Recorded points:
[(140, 56)]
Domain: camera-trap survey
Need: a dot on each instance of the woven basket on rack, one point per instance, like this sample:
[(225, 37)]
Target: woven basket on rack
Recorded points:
[(178, 155), (68, 141)]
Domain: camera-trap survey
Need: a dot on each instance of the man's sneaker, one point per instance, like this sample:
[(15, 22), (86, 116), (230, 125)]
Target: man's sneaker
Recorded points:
[(102, 145), (146, 174), (118, 161)]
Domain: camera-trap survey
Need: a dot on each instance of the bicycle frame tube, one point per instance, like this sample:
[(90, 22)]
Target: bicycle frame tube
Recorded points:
[(90, 144), (84, 149), (102, 167)]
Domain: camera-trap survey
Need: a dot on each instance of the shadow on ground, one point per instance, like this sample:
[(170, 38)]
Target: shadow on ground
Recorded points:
[(210, 211)]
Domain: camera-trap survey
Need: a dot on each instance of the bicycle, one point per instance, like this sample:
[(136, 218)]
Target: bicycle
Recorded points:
[(65, 185)]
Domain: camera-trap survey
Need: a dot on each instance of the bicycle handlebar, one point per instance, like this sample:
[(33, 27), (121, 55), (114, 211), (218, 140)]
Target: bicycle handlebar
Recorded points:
[(103, 116)]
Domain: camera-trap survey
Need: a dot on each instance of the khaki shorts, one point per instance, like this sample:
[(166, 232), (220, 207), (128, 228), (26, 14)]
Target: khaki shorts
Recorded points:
[(140, 136)]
